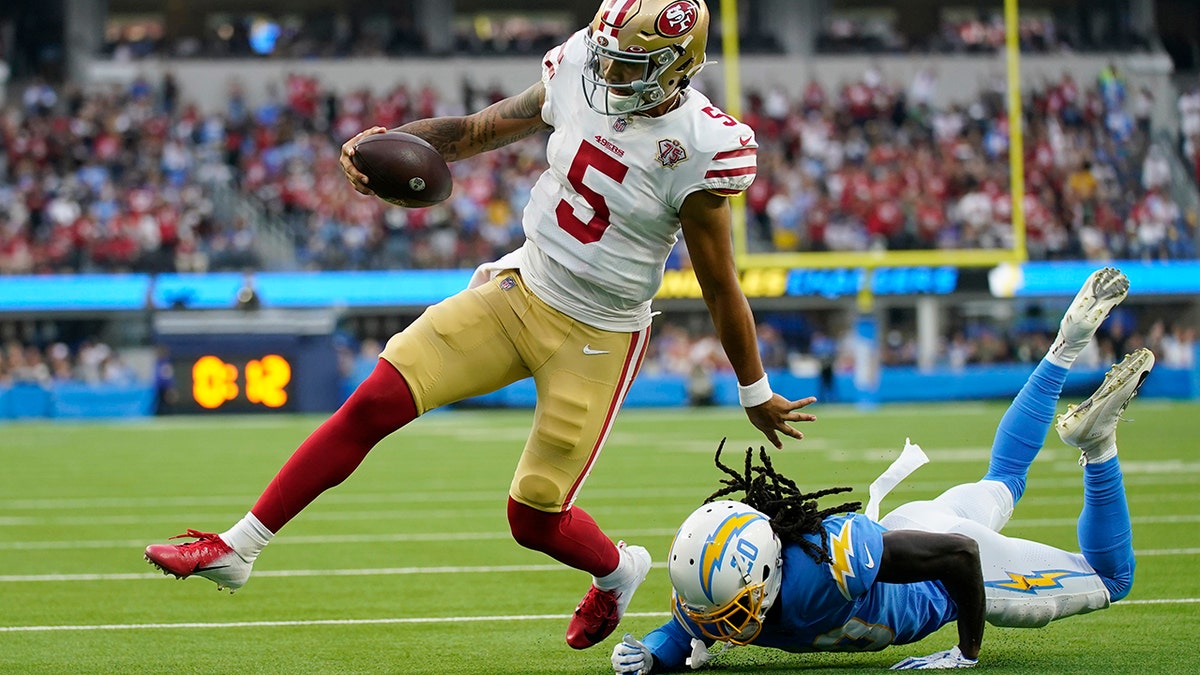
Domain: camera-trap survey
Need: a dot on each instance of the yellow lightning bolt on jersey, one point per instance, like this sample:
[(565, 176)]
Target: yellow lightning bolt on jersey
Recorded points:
[(1030, 583), (840, 549)]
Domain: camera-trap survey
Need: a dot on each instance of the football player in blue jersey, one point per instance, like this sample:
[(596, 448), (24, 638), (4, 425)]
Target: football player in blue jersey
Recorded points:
[(776, 570)]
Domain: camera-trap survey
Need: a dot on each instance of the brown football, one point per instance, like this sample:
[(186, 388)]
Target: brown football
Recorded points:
[(403, 169)]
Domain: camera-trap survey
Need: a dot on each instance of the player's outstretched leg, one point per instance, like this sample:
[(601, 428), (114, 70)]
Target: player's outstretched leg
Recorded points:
[(380, 405), (605, 603), (1105, 533), (1025, 424)]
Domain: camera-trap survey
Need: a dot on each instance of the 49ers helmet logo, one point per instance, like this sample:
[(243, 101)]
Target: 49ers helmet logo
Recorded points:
[(677, 19)]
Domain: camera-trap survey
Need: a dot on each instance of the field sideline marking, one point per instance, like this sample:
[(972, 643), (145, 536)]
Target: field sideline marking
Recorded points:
[(413, 620), (398, 571)]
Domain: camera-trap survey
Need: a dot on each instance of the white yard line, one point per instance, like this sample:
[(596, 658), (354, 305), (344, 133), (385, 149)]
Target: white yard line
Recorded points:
[(399, 571), (437, 536), (408, 620)]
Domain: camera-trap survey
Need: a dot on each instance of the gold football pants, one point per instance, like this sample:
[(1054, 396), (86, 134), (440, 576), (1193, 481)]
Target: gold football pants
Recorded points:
[(484, 338)]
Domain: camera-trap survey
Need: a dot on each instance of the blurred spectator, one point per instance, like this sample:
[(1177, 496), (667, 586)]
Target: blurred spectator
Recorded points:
[(1179, 347), (1143, 110), (1189, 112), (1156, 170), (166, 397), (1189, 129)]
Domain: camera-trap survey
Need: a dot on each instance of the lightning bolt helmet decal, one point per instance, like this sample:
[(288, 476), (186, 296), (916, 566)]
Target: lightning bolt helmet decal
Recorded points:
[(718, 544)]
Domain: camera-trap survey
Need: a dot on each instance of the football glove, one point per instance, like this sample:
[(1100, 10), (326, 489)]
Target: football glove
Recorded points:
[(700, 654), (951, 658), (631, 656)]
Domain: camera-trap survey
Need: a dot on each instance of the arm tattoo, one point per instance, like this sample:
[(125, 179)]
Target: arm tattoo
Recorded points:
[(497, 125), (526, 105)]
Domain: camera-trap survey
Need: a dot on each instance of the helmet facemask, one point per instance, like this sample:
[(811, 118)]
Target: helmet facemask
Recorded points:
[(634, 95), (739, 621)]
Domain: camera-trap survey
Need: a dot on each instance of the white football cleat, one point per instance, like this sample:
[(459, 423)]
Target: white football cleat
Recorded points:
[(1091, 426), (1104, 289)]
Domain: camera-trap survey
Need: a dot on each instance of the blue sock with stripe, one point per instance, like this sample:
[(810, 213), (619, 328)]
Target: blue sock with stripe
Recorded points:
[(1105, 532), (1023, 429)]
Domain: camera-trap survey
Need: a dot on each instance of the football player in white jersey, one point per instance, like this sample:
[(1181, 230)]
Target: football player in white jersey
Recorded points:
[(635, 157)]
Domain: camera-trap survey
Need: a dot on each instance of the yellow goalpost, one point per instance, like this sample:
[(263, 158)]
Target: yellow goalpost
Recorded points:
[(871, 259)]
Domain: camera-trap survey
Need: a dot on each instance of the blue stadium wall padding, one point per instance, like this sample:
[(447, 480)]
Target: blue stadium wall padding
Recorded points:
[(91, 401), (898, 385), (24, 400), (75, 400)]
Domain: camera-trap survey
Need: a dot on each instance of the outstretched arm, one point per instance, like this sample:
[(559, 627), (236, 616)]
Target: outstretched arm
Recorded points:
[(953, 559), (706, 222), (495, 126)]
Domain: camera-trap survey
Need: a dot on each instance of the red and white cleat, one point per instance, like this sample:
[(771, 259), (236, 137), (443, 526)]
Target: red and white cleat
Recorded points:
[(209, 557), (600, 611)]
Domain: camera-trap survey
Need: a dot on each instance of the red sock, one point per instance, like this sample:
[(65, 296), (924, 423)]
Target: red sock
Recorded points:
[(380, 405), (570, 537)]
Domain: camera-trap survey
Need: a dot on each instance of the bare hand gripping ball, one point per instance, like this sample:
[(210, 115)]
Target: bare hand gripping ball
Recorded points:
[(403, 169)]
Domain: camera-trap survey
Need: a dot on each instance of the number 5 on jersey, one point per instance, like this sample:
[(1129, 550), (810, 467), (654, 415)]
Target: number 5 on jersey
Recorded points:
[(589, 155)]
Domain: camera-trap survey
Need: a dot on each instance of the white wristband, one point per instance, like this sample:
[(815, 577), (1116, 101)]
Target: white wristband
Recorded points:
[(755, 394)]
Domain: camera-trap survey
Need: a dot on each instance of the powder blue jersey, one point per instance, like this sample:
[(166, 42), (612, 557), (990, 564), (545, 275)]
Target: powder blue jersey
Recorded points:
[(835, 606)]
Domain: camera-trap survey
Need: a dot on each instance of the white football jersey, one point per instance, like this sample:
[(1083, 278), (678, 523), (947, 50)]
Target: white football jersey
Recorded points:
[(603, 218)]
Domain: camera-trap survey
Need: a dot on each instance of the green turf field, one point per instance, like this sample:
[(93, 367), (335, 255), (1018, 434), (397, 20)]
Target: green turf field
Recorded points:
[(408, 566)]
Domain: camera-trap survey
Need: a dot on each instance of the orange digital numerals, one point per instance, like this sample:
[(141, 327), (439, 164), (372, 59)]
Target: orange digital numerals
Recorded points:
[(215, 382)]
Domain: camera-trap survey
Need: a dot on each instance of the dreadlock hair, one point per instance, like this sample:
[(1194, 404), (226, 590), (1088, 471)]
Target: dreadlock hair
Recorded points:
[(793, 513)]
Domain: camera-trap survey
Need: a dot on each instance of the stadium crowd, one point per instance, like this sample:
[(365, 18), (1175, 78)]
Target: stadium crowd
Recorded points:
[(371, 34), (124, 179), (89, 362), (695, 353), (968, 31), (877, 166), (328, 35)]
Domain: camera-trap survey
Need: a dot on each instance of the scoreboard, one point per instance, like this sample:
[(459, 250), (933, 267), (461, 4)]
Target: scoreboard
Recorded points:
[(251, 361), (224, 382)]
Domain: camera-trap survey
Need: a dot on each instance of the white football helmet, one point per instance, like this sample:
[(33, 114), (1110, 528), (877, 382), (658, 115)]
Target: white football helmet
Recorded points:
[(643, 52), (725, 568)]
